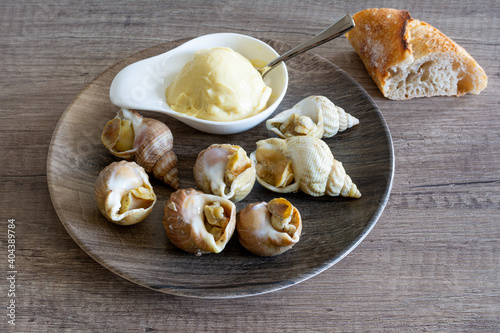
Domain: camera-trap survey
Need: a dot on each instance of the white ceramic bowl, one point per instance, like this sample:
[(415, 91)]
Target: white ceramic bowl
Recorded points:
[(141, 85)]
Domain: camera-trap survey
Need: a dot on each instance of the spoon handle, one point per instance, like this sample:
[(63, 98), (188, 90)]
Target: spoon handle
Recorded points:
[(343, 25)]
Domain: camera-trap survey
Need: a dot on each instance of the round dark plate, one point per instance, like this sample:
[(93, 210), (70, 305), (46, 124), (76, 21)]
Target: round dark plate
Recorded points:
[(332, 226)]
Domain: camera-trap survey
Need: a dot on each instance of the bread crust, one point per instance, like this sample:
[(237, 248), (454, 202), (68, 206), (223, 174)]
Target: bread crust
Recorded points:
[(385, 38), (380, 39)]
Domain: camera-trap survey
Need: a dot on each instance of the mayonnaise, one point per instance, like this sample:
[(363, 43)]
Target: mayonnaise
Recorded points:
[(218, 84)]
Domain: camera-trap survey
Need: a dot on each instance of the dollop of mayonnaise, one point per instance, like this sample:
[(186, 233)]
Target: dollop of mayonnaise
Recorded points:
[(218, 84)]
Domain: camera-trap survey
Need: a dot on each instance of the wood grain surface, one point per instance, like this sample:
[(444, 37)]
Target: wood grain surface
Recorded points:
[(430, 264)]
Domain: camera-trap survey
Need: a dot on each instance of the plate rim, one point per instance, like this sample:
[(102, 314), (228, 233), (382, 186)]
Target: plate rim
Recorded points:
[(272, 286)]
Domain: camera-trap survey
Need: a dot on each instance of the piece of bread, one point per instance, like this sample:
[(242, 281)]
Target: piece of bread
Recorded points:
[(409, 58)]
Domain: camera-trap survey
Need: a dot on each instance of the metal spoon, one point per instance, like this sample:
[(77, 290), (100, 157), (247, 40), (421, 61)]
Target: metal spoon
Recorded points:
[(337, 29)]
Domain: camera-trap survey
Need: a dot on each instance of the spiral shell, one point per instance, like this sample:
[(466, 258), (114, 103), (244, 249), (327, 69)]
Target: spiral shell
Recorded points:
[(199, 223), (147, 141), (224, 170), (123, 193), (301, 162), (314, 116), (269, 229)]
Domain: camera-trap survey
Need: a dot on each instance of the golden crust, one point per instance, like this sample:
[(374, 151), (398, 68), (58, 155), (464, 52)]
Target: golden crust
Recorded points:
[(380, 38)]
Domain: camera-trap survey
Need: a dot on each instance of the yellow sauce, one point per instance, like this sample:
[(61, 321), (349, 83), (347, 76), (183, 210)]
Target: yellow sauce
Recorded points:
[(218, 84)]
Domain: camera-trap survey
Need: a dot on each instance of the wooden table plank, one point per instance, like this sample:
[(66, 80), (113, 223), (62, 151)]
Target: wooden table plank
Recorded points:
[(430, 264)]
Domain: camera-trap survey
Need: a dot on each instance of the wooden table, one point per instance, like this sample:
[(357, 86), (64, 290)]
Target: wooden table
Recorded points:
[(432, 262)]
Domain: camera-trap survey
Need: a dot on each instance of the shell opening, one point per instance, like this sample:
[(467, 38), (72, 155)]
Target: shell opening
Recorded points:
[(224, 170), (215, 219), (274, 167), (118, 134), (236, 166), (140, 197), (297, 125), (283, 218), (237, 163)]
